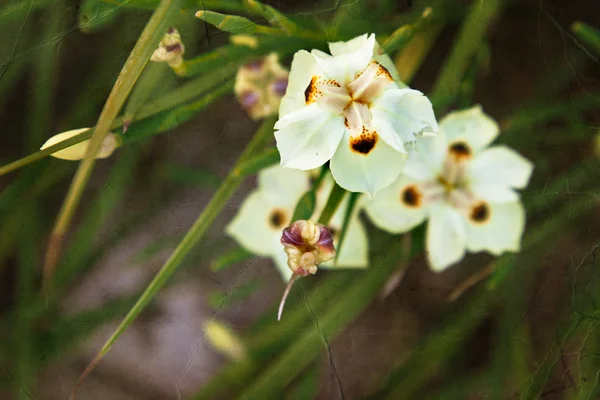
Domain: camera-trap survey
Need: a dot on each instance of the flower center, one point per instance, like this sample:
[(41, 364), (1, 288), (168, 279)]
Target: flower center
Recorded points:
[(277, 218), (351, 100)]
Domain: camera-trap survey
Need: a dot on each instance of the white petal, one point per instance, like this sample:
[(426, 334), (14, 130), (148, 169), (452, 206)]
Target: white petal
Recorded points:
[(446, 237), (501, 232), (251, 228), (308, 137), (302, 70), (426, 158), (366, 173), (345, 65), (390, 212), (400, 115), (501, 168), (77, 151), (283, 186), (472, 126), (363, 42)]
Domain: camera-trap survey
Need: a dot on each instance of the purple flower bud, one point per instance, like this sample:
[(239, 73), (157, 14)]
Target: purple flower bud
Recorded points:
[(307, 244)]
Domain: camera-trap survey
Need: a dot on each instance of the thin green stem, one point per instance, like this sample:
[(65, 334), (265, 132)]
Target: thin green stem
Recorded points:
[(147, 43), (333, 202), (470, 37), (191, 239)]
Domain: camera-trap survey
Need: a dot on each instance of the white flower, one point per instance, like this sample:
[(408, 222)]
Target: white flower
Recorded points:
[(465, 189), (260, 85), (349, 108), (170, 49), (268, 210), (77, 151)]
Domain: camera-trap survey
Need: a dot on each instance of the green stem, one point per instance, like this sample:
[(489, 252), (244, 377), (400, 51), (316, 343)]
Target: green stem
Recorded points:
[(333, 202), (194, 235), (470, 37), (147, 43), (348, 304)]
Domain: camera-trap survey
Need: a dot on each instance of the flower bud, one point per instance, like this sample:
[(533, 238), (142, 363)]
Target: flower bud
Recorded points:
[(307, 244), (170, 49), (260, 85), (77, 151), (224, 340)]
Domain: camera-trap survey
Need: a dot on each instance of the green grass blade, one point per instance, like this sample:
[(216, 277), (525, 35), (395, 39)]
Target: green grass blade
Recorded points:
[(194, 235), (230, 258), (587, 34), (147, 43), (333, 202), (470, 37)]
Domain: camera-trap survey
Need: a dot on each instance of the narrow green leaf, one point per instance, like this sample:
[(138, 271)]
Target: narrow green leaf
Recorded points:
[(147, 43), (95, 15), (233, 23), (333, 201), (153, 74), (470, 37), (305, 206), (350, 208), (191, 239), (263, 160), (587, 34), (230, 258), (306, 387), (274, 17)]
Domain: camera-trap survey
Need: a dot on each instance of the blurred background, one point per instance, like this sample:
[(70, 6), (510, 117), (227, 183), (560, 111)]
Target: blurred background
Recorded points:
[(535, 337)]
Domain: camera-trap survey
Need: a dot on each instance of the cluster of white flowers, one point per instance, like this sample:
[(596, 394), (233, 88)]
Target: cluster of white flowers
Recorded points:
[(382, 139)]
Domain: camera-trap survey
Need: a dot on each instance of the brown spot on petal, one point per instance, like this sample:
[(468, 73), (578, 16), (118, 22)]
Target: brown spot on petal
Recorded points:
[(277, 218), (311, 93), (383, 72), (460, 150), (411, 196), (480, 213), (364, 143)]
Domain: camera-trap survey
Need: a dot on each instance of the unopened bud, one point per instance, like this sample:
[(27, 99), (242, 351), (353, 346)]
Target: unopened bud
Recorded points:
[(170, 49), (224, 340), (307, 244), (77, 151), (260, 85)]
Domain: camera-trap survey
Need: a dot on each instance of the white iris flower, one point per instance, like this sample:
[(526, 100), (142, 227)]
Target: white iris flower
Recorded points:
[(268, 210), (466, 189), (349, 107)]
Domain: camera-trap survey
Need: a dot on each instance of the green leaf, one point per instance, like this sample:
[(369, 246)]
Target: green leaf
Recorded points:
[(95, 15), (306, 387), (234, 256), (352, 202), (191, 239), (466, 44), (274, 17), (232, 23), (139, 56), (587, 34), (306, 206), (333, 201), (154, 74), (260, 161)]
